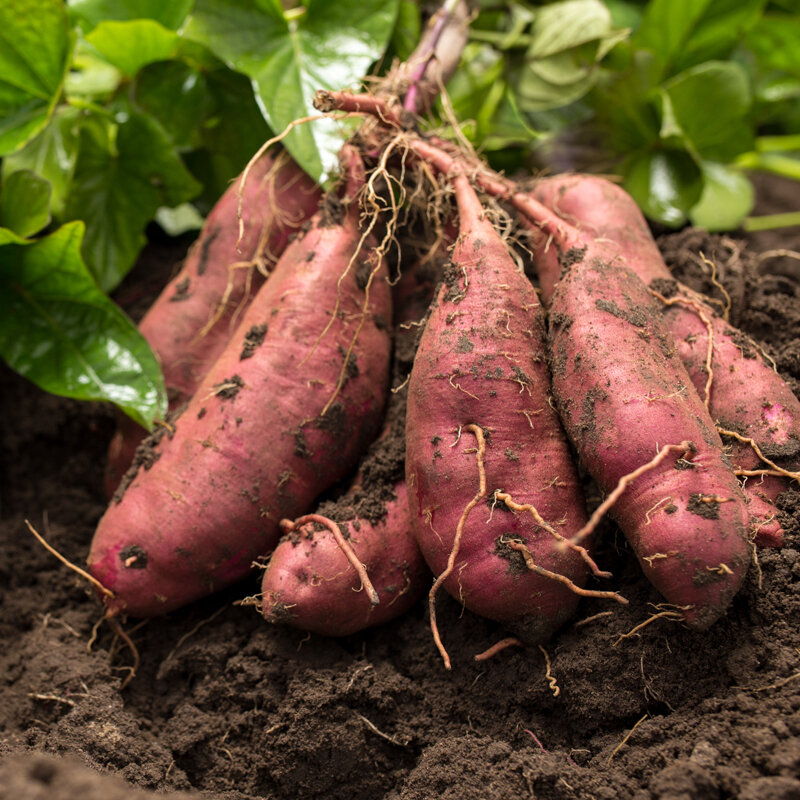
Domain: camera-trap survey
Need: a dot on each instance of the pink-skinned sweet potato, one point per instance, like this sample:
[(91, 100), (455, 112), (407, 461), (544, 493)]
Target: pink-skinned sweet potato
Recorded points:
[(283, 413), (480, 373), (310, 584), (746, 395), (623, 395), (193, 318)]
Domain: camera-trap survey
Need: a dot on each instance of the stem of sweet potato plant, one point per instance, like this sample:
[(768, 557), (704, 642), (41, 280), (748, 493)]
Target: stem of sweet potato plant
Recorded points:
[(783, 143), (426, 51), (767, 222), (777, 163)]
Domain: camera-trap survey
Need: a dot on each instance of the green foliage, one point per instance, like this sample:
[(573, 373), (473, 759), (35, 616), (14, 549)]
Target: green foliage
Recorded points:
[(25, 203), (290, 57), (115, 113), (669, 94), (60, 331), (35, 45), (132, 44)]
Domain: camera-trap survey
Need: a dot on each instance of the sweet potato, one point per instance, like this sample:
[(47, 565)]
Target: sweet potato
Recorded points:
[(479, 404), (193, 318), (746, 395), (623, 394), (283, 413), (309, 583)]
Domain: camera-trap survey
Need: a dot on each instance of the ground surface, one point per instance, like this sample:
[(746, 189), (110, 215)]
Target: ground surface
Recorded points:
[(225, 706)]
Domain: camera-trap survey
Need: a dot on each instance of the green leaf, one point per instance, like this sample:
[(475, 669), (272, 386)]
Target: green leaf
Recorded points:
[(567, 41), (90, 13), (775, 41), (666, 184), (407, 29), (687, 103), (51, 155), (625, 13), (9, 237), (627, 118), (176, 221), (124, 173), (330, 46), (25, 203), (508, 128), (35, 45), (61, 332), (555, 84), (90, 76), (131, 44), (683, 33), (726, 200), (567, 24), (481, 68), (177, 95)]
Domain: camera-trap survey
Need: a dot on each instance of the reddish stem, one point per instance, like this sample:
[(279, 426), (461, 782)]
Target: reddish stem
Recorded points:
[(426, 52), (491, 183), (358, 104)]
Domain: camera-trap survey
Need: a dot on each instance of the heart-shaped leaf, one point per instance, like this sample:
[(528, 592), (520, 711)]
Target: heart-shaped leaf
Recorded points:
[(289, 58)]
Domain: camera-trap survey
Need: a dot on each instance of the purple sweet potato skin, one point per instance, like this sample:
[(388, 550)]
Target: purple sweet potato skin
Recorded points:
[(252, 446), (481, 361), (309, 584), (747, 395), (278, 198), (623, 393)]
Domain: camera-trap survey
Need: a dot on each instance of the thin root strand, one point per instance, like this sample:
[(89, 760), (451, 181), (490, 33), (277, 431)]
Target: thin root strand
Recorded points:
[(361, 570), (624, 481), (522, 548), (451, 559), (498, 647)]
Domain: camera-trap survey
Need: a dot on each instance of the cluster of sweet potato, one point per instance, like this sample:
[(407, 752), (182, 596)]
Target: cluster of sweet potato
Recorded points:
[(280, 354)]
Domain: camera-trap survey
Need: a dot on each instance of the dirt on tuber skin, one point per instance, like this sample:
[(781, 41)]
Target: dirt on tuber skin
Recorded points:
[(307, 581), (478, 369), (193, 318), (227, 708), (738, 384), (627, 395), (187, 511)]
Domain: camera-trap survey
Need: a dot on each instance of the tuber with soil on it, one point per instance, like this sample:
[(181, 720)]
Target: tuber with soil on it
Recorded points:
[(310, 583), (745, 395), (624, 395), (488, 469), (494, 498), (278, 418), (331, 567), (193, 318)]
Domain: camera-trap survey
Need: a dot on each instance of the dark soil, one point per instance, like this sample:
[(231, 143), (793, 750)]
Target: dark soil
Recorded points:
[(226, 706)]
